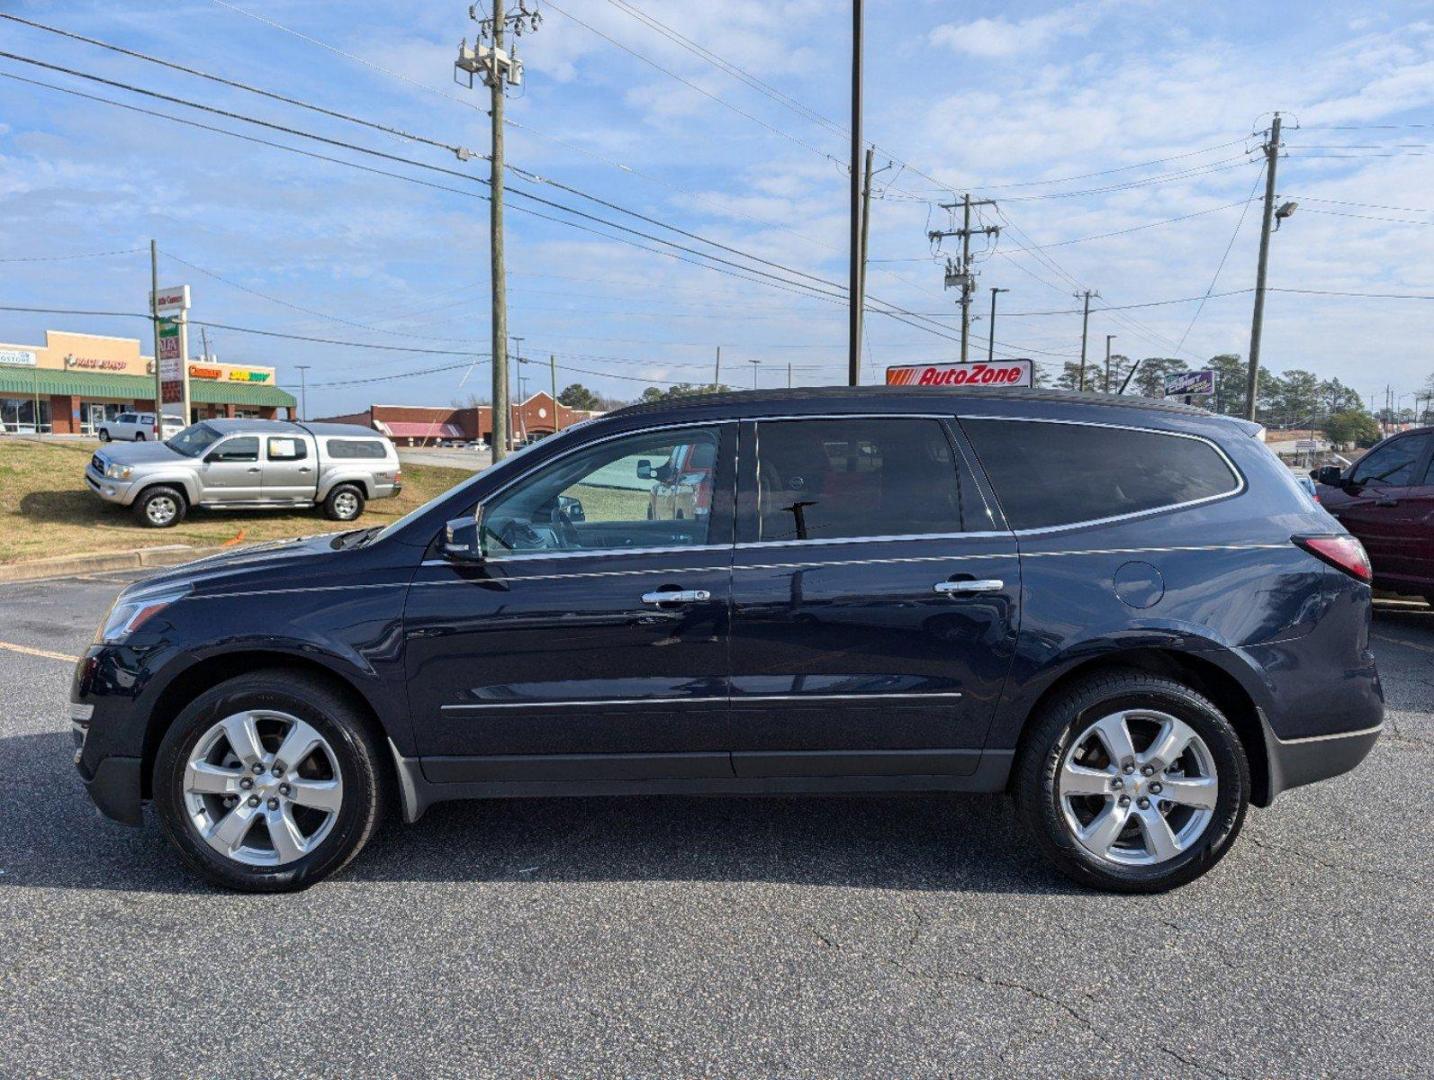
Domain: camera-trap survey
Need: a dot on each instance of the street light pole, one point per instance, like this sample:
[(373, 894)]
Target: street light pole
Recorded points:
[(854, 297), (303, 388), (1257, 320), (1108, 339), (991, 340)]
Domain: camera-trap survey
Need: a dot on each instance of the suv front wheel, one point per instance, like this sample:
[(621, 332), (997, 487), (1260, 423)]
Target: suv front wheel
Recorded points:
[(269, 782), (1132, 782)]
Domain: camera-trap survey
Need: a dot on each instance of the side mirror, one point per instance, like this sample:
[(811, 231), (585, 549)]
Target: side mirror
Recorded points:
[(644, 469), (1329, 475), (462, 539), (571, 508)]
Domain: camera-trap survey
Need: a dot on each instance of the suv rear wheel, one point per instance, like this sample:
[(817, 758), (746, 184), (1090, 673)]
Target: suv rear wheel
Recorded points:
[(1132, 782), (268, 782)]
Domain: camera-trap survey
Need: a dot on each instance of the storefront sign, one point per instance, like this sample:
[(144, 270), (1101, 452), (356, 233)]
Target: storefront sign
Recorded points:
[(19, 357), (170, 301), (168, 343), (977, 373), (1190, 382), (198, 372), (93, 363), (246, 375), (173, 386)]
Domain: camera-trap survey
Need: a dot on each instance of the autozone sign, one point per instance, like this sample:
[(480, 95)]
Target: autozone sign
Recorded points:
[(977, 373)]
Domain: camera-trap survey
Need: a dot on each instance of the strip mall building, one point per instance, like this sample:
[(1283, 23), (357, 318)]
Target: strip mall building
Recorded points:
[(416, 425), (74, 381)]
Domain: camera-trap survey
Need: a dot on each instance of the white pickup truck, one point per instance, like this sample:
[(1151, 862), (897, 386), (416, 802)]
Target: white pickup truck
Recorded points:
[(136, 427), (248, 464)]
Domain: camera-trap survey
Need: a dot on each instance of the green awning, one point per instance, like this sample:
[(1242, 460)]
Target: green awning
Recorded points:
[(28, 382)]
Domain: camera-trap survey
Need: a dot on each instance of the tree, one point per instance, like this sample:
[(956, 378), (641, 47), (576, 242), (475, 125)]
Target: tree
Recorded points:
[(1336, 397), (578, 396), (1231, 374), (1298, 403), (1351, 426), (1119, 368), (1150, 379), (681, 390), (1069, 378)]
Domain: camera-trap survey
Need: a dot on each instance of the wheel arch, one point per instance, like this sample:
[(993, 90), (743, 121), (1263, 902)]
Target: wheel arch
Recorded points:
[(1202, 675), (180, 484), (199, 677)]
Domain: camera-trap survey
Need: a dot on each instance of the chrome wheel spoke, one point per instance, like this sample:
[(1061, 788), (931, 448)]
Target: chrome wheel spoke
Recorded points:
[(289, 843), (233, 827), (1175, 735), (1159, 839), (203, 778), (1080, 780), (243, 737), (318, 794), (299, 743), (1115, 734), (1105, 828), (1198, 791)]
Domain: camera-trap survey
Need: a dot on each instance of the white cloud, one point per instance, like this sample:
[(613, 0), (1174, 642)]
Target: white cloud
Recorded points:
[(1000, 38)]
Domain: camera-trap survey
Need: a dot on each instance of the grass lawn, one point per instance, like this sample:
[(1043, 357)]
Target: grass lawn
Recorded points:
[(47, 509)]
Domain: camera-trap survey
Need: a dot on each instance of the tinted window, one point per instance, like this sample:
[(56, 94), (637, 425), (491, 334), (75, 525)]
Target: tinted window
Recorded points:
[(125, 418), (825, 479), (244, 448), (357, 448), (1057, 474), (286, 448), (1393, 464), (646, 490)]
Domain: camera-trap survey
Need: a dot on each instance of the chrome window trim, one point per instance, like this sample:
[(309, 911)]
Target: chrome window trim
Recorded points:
[(563, 577), (734, 700), (596, 553), (1151, 550), (873, 539), (1241, 485)]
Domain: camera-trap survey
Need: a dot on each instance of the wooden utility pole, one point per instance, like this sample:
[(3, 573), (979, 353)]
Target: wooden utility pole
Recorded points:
[(991, 330), (959, 274), (1108, 339), (865, 232), (497, 268), (854, 297), (1257, 320), (154, 318), (1084, 331), (553, 375), (717, 370)]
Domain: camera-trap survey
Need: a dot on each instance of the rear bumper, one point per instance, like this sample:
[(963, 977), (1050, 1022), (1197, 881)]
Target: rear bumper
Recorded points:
[(1296, 762)]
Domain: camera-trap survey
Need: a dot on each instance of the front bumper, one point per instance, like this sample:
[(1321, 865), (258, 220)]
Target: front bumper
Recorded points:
[(108, 736), (111, 491)]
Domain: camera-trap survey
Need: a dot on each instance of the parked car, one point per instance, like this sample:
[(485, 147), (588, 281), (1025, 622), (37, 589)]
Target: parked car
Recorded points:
[(1121, 612), (136, 427), (248, 464), (1386, 498), (683, 487)]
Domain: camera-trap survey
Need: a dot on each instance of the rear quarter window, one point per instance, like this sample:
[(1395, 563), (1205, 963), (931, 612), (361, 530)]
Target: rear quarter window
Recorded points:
[(1048, 474), (372, 449)]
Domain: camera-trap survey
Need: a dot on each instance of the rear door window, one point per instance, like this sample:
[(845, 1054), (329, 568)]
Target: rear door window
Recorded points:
[(1048, 474), (243, 448), (371, 449), (858, 478), (1393, 464)]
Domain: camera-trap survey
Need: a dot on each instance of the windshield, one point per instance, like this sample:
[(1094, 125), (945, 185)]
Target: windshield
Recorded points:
[(516, 455), (193, 441)]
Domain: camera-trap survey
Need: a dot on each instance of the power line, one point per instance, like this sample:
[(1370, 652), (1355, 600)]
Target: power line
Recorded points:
[(1138, 228), (1369, 206), (1367, 217), (64, 258), (1228, 247)]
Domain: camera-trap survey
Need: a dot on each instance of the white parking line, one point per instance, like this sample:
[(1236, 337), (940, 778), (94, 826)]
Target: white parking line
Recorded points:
[(25, 650), (1401, 641)]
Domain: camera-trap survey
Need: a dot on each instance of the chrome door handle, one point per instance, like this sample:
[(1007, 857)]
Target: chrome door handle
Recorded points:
[(255, 469), (677, 596), (981, 585)]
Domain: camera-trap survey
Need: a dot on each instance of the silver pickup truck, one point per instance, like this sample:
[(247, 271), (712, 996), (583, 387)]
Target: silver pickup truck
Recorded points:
[(248, 464)]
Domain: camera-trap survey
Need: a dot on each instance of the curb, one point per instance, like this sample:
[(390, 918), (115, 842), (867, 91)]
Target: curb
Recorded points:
[(99, 561)]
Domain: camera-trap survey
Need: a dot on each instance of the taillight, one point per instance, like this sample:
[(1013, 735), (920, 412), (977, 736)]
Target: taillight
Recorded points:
[(1342, 552)]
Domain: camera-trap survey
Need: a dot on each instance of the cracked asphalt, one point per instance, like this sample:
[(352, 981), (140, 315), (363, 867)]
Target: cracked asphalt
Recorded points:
[(658, 937)]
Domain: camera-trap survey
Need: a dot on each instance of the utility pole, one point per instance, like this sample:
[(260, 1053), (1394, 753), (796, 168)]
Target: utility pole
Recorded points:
[(717, 370), (1108, 339), (865, 232), (518, 378), (991, 340), (789, 374), (854, 295), (303, 387), (960, 275), (498, 68), (154, 318), (755, 364), (204, 343), (1084, 331), (553, 375), (1272, 156)]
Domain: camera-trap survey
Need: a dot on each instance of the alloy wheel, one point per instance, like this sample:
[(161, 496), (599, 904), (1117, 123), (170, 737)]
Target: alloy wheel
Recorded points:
[(161, 509), (1138, 787), (263, 788), (345, 505)]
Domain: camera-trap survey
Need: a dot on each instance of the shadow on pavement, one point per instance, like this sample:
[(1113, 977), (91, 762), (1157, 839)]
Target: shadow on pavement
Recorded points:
[(53, 838)]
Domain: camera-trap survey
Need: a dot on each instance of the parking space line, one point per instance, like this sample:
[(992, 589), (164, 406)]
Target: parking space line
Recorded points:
[(1401, 641), (25, 650)]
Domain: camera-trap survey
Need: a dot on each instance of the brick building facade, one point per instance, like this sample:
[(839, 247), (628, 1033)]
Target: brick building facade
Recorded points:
[(416, 425)]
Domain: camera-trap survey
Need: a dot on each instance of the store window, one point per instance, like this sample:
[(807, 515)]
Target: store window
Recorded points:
[(24, 416)]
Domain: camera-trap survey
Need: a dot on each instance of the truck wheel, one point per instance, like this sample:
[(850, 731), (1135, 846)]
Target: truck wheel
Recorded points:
[(1132, 782), (104, 435), (160, 507), (344, 503), (139, 436), (268, 782)]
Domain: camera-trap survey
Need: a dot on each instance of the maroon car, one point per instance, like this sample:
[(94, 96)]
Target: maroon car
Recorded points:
[(1386, 498)]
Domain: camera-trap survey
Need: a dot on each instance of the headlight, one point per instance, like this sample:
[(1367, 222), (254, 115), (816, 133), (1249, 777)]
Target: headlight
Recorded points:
[(118, 472), (129, 613)]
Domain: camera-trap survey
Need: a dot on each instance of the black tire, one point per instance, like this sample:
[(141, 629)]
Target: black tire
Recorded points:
[(139, 436), (150, 508), (1035, 779), (345, 503), (346, 733), (104, 435)]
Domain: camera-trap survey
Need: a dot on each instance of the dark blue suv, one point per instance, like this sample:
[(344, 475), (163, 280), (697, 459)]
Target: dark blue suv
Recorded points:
[(1127, 615)]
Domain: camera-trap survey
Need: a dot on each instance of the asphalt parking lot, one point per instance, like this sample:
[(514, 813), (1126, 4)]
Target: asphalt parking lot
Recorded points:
[(691, 937)]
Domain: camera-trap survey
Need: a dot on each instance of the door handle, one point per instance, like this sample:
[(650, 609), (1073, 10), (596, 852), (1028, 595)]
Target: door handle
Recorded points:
[(305, 468), (1386, 502), (979, 585), (677, 596), (254, 468)]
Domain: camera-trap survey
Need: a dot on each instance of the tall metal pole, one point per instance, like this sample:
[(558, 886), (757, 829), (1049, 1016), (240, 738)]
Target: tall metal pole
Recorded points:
[(553, 375), (754, 364), (1257, 321), (1108, 339), (789, 374), (497, 271), (154, 317), (991, 339), (865, 233), (303, 388), (854, 297), (717, 370)]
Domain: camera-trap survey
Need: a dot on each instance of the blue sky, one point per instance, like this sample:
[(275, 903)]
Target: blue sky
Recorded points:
[(998, 98)]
